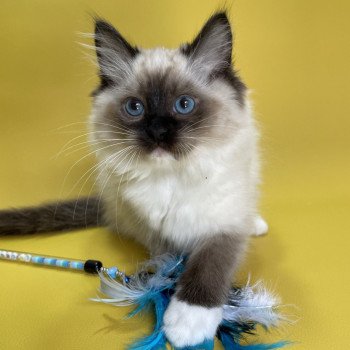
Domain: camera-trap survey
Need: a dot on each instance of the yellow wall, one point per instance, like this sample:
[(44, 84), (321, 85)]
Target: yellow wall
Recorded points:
[(294, 54)]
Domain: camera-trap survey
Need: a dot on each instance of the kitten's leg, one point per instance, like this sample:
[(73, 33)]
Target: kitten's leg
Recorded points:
[(261, 226), (195, 310)]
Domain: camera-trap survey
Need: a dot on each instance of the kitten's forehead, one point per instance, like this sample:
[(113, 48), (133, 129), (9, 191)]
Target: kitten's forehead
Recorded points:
[(162, 72), (159, 60)]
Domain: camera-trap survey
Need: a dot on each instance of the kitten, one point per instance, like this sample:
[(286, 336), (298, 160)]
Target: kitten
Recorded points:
[(176, 146)]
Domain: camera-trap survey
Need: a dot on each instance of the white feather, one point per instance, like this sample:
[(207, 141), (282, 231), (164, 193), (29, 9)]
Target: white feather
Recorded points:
[(253, 303), (120, 294), (123, 294)]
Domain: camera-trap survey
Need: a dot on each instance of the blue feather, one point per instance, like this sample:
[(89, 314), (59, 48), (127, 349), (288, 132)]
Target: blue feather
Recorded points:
[(207, 345), (231, 334), (155, 285), (227, 341), (159, 298)]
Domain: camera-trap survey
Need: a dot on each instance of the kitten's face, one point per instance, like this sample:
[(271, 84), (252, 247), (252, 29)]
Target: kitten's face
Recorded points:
[(164, 103)]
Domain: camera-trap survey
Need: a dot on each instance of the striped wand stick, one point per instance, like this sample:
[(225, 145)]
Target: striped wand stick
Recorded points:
[(90, 266)]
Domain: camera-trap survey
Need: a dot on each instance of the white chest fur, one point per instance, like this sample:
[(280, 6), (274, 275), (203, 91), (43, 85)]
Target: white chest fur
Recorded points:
[(208, 197)]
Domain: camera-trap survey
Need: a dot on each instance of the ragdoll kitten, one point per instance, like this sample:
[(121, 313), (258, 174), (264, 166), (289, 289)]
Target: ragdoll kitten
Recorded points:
[(178, 167)]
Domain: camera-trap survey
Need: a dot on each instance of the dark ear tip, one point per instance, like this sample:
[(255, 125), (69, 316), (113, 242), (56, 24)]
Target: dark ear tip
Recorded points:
[(220, 17), (219, 20), (102, 26)]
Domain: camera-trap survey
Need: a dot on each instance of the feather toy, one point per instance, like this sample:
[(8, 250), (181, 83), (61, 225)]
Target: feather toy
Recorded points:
[(152, 287), (245, 309)]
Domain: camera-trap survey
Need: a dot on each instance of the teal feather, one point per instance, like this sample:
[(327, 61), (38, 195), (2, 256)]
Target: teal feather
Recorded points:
[(153, 288), (207, 345), (231, 334)]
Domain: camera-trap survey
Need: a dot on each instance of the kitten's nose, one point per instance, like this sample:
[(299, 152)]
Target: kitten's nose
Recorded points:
[(158, 129)]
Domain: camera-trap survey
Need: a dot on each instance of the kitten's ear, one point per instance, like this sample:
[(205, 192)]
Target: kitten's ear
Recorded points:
[(211, 50), (114, 53)]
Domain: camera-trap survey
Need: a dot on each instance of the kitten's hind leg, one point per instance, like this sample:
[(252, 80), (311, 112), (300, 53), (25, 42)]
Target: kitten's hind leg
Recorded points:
[(195, 311), (261, 227)]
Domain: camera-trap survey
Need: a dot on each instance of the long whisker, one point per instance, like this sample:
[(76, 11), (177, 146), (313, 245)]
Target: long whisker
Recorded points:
[(213, 125), (199, 138), (97, 167), (211, 116), (121, 153), (94, 132), (92, 170), (93, 143), (102, 167), (91, 122), (186, 127), (109, 176), (78, 161), (121, 179)]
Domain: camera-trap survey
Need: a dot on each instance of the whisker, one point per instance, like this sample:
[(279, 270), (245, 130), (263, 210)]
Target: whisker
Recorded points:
[(102, 167), (121, 179), (78, 161), (89, 122), (95, 166), (93, 143), (64, 147), (186, 127), (213, 125), (109, 176), (92, 170)]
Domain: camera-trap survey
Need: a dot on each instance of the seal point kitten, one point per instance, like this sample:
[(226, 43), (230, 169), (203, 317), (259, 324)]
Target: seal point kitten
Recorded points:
[(182, 174), (178, 167)]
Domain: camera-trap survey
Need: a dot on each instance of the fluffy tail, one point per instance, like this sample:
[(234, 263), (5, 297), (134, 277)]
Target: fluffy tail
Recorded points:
[(56, 216)]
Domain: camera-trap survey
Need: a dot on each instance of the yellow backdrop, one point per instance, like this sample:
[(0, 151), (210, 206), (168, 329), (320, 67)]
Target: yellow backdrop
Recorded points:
[(294, 54)]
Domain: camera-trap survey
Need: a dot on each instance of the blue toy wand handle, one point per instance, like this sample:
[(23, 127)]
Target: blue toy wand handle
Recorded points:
[(90, 266)]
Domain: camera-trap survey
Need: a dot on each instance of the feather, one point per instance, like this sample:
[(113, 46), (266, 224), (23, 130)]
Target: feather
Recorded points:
[(231, 335), (155, 275), (207, 345), (154, 285), (252, 303), (156, 340)]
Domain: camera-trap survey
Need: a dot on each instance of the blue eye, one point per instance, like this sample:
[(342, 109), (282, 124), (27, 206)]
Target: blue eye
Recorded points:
[(184, 105), (134, 107)]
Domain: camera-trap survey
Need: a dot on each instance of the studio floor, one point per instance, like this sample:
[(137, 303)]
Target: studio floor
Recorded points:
[(293, 54)]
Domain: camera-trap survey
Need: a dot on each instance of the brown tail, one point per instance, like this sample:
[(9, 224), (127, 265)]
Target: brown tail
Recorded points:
[(56, 216)]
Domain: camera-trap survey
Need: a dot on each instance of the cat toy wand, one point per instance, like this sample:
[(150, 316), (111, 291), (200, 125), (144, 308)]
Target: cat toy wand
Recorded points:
[(90, 266), (153, 285)]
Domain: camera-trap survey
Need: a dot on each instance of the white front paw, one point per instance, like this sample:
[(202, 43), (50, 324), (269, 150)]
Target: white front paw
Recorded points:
[(186, 324)]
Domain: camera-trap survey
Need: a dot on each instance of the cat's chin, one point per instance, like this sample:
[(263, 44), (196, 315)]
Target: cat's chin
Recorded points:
[(160, 154)]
